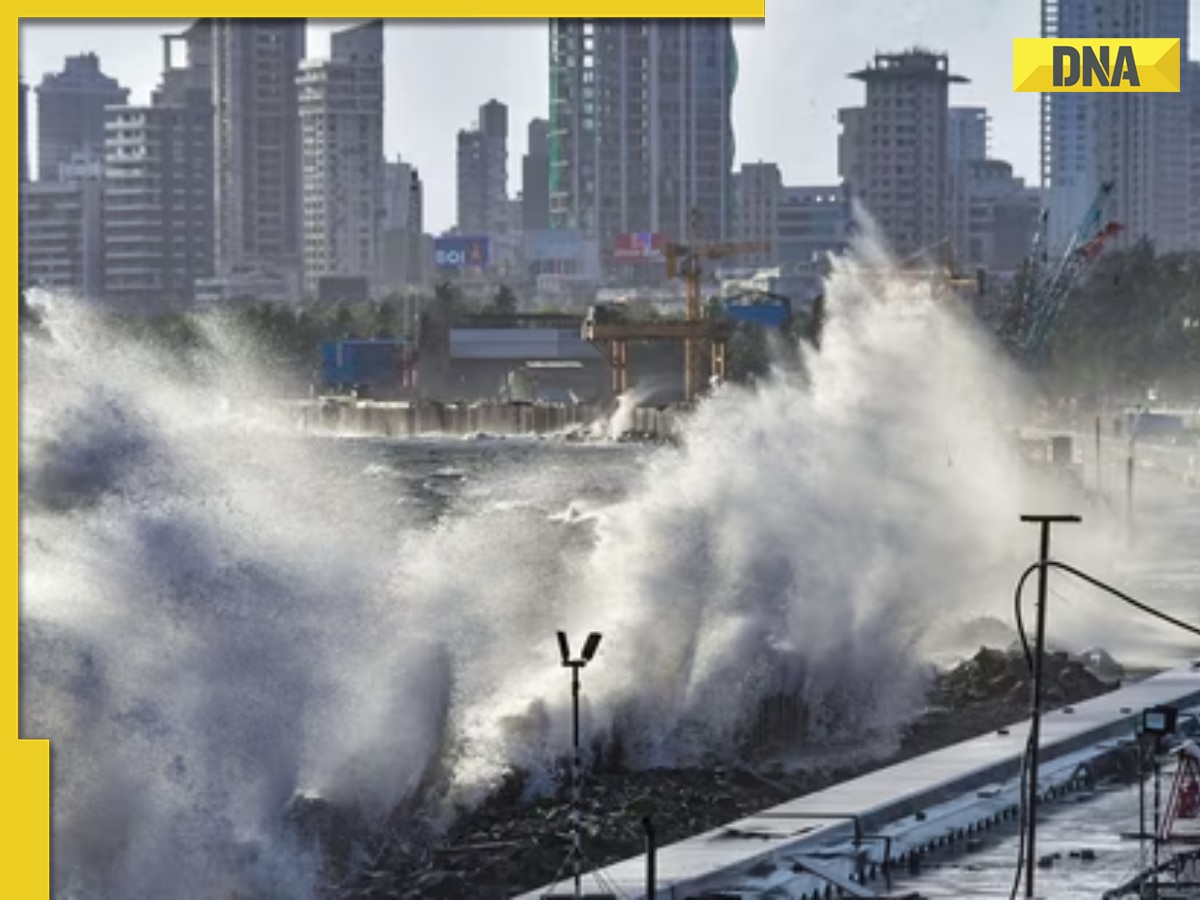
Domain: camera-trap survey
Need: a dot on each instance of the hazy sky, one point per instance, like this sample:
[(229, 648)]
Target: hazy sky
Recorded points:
[(791, 82)]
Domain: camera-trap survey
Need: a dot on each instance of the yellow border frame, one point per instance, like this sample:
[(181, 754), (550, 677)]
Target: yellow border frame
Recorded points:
[(25, 788)]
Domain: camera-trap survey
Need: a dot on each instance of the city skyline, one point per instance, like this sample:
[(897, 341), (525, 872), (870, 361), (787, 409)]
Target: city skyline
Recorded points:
[(977, 40)]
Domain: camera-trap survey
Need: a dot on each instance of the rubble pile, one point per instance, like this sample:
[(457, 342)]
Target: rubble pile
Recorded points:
[(511, 844), (994, 688)]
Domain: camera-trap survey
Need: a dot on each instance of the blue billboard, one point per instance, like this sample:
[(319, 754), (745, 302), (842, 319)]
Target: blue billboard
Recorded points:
[(769, 315), (461, 252), (348, 363)]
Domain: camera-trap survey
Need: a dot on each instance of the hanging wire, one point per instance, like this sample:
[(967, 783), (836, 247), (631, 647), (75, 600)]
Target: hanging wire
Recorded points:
[(1025, 760)]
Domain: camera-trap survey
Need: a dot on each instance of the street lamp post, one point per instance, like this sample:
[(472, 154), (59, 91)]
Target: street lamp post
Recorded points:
[(1036, 710), (590, 646)]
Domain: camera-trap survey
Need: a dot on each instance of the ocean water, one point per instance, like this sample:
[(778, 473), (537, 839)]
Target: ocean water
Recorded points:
[(218, 615)]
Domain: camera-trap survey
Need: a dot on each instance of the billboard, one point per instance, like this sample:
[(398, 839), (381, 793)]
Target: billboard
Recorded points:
[(462, 252), (342, 289), (562, 245), (565, 251), (349, 363), (645, 246)]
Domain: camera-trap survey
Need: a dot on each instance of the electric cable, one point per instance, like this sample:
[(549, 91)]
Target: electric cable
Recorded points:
[(1023, 781), (1136, 604), (1026, 758), (1022, 814)]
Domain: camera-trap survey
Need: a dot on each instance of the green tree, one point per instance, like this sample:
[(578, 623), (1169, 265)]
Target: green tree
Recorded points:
[(505, 302), (1127, 325), (748, 355)]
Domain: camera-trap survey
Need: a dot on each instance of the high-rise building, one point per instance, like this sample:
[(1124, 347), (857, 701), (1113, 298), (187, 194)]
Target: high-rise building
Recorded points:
[(852, 145), (804, 225), (901, 171), (493, 125), (812, 223), (1134, 140), (62, 222), (70, 112), (1191, 83), (483, 173), (1000, 216), (22, 176), (471, 178), (641, 134), (341, 122), (403, 197), (22, 135), (758, 188), (405, 259), (967, 133), (535, 179), (257, 146), (158, 191), (966, 146)]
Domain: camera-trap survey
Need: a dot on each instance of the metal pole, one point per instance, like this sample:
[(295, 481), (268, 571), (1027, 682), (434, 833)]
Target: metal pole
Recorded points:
[(1036, 722), (576, 847), (1036, 710), (1129, 494), (1157, 800), (1142, 744), (651, 858)]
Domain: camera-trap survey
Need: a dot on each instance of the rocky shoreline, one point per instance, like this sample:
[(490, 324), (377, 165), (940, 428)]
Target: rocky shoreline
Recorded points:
[(508, 845)]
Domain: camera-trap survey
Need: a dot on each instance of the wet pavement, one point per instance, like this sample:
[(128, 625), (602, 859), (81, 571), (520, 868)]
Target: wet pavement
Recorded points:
[(1091, 838)]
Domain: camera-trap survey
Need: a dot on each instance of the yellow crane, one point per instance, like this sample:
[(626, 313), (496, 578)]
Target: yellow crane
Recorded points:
[(685, 261), (945, 271)]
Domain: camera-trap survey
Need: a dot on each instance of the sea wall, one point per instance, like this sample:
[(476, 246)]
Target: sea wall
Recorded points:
[(373, 418)]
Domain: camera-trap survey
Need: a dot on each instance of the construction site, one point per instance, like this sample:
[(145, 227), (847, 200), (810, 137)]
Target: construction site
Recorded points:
[(672, 355)]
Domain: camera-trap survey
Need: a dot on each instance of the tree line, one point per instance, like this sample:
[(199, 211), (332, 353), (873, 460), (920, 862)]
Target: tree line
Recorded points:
[(1133, 323)]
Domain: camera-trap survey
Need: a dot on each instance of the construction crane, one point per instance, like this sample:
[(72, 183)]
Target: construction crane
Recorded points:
[(610, 329), (686, 261), (1048, 283), (946, 273)]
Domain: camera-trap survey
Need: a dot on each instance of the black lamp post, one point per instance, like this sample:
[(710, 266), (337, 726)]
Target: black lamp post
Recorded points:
[(590, 646)]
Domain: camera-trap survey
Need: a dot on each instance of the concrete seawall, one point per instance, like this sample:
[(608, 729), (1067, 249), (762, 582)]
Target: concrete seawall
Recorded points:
[(807, 847), (373, 418)]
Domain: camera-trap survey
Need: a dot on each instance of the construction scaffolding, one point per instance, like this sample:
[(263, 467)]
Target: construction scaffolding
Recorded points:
[(610, 331)]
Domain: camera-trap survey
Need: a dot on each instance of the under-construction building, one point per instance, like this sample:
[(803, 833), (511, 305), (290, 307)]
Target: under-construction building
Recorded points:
[(640, 132)]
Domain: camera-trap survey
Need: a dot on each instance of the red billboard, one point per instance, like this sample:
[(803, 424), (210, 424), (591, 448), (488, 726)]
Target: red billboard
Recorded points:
[(645, 246)]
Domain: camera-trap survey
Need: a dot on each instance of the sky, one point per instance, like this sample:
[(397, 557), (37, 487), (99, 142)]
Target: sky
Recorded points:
[(792, 77)]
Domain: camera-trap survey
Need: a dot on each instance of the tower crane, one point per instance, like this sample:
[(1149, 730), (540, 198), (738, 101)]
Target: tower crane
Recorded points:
[(686, 261), (610, 330), (947, 272)]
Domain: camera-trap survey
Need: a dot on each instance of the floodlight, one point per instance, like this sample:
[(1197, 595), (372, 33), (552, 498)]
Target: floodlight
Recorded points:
[(590, 646), (564, 648), (1159, 720)]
